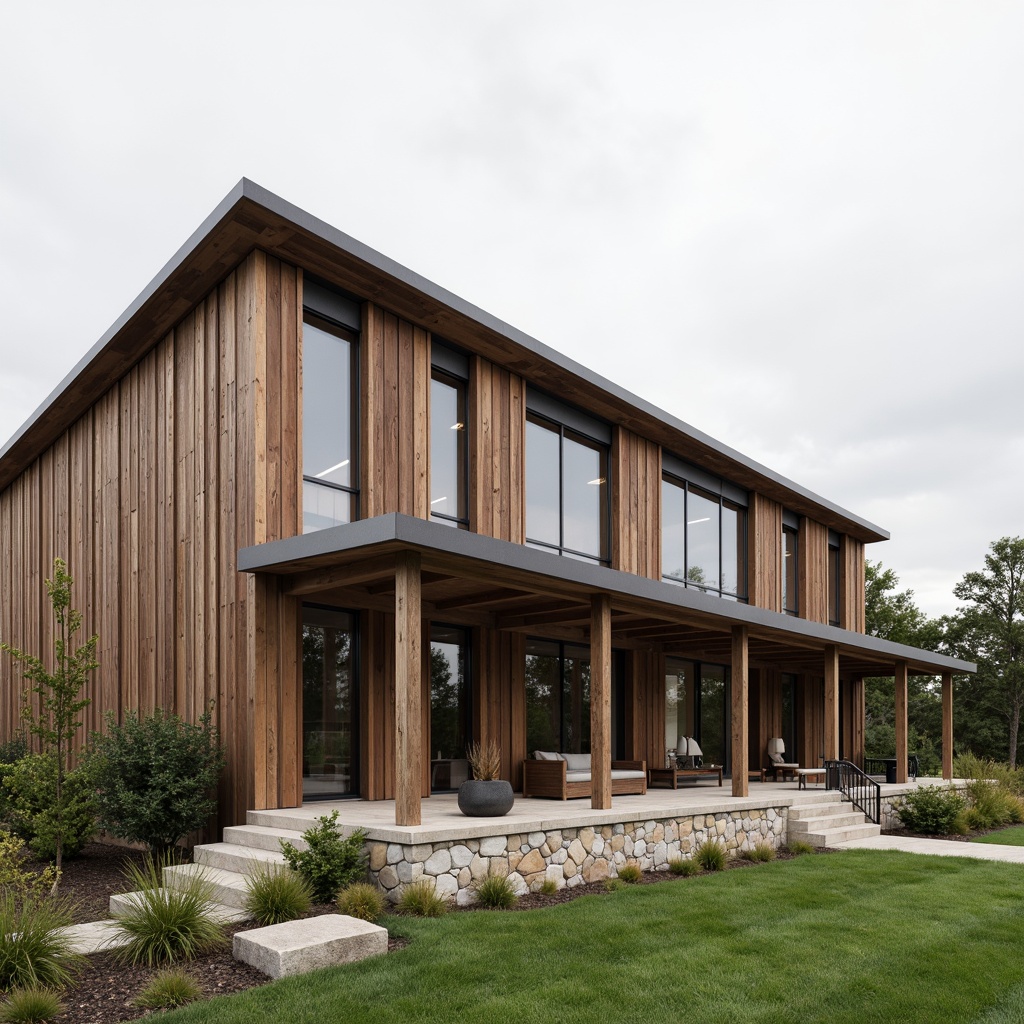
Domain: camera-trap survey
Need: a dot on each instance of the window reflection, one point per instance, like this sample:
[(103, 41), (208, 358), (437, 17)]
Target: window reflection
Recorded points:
[(790, 571), (448, 455)]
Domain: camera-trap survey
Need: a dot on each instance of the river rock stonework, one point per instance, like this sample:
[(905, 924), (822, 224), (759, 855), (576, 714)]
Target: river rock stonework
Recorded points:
[(567, 856)]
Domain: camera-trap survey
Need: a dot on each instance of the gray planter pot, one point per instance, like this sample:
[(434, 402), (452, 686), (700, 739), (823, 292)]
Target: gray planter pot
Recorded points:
[(485, 798)]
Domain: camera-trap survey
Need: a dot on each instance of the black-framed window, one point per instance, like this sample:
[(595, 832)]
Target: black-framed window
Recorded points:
[(558, 698), (449, 452), (789, 715), (330, 423), (790, 570), (450, 706), (567, 492), (703, 539), (833, 581), (697, 705)]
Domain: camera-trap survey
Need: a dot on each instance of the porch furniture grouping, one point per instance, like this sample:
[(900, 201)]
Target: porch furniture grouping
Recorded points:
[(567, 776), (671, 777)]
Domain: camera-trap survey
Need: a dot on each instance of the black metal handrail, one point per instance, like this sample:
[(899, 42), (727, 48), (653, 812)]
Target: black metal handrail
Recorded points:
[(859, 788)]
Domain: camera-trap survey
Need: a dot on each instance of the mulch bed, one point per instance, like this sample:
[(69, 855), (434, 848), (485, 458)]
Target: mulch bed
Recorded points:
[(105, 989)]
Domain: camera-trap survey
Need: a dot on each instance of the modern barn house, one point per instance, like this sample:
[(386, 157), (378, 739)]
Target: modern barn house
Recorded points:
[(373, 523)]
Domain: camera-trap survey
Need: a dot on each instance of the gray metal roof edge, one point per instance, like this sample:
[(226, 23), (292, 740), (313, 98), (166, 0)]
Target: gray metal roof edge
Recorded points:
[(409, 530)]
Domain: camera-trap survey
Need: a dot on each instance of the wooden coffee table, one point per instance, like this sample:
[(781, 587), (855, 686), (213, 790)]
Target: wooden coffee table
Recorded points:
[(669, 777)]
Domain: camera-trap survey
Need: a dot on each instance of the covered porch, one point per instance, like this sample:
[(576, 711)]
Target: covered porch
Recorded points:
[(403, 573)]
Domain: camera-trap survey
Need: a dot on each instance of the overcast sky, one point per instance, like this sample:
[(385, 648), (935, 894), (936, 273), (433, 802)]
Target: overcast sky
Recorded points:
[(797, 226)]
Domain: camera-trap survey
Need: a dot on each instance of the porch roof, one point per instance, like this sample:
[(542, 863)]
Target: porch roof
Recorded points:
[(480, 580)]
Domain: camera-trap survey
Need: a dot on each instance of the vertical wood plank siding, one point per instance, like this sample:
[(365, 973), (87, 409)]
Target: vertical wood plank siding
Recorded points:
[(645, 707), (813, 570), (764, 558), (191, 455), (851, 584), (497, 440), (636, 505)]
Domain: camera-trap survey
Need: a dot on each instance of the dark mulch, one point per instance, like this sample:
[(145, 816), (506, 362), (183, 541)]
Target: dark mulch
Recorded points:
[(105, 989)]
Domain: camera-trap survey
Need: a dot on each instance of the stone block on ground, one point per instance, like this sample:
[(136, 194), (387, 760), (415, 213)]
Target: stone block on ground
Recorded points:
[(295, 947)]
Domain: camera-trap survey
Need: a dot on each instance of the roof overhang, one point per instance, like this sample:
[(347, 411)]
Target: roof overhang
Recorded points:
[(250, 218), (464, 565)]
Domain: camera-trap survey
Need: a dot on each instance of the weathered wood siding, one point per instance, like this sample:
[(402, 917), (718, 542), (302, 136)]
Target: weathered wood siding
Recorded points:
[(645, 707), (764, 553), (636, 505), (851, 584), (813, 570)]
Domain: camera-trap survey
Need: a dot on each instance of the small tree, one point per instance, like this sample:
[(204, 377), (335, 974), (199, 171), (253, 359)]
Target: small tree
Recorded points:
[(157, 776), (60, 706)]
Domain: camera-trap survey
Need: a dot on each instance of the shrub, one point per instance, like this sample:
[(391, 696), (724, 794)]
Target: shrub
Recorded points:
[(331, 861), (548, 887), (33, 951), (362, 900), (167, 924), (168, 989), (11, 752), (798, 848), (760, 852), (275, 894), (420, 900), (13, 876), (932, 810), (992, 805), (630, 873), (30, 1006), (34, 813), (684, 866), (496, 892), (157, 777), (710, 855)]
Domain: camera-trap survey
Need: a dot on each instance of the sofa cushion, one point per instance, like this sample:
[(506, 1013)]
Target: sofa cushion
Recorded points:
[(627, 773), (577, 776), (577, 762), (547, 755)]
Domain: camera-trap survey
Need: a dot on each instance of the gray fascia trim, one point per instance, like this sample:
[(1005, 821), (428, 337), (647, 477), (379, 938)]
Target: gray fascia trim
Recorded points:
[(246, 189), (419, 533)]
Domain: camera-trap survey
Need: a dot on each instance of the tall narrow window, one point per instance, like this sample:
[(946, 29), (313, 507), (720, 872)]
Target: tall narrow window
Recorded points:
[(790, 571), (566, 491), (449, 707), (833, 583), (703, 540), (448, 450), (330, 490)]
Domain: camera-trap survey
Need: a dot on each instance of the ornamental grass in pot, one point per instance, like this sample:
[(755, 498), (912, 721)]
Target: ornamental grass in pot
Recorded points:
[(486, 795)]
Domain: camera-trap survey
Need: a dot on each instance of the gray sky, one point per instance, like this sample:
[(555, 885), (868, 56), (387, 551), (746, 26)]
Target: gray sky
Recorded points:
[(797, 226)]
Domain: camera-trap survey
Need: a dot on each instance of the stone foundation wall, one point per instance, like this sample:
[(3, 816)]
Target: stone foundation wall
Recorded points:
[(569, 856)]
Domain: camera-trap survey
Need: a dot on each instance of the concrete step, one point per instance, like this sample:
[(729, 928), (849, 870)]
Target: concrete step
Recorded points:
[(234, 857), (122, 903), (801, 825), (831, 836), (228, 887), (282, 821), (261, 837), (818, 810), (94, 937)]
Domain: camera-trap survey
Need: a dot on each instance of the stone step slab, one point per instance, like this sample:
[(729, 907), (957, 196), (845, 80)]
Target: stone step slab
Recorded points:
[(801, 825), (261, 837), (823, 810), (228, 887), (122, 903), (94, 937), (234, 857), (832, 836), (296, 947)]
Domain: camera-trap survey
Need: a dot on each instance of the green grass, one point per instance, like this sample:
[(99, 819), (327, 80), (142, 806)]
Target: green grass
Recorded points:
[(860, 937), (1012, 836)]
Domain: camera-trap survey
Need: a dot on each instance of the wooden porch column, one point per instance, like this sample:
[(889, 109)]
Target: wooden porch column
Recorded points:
[(408, 686), (740, 706), (947, 725), (900, 679), (601, 701), (831, 703)]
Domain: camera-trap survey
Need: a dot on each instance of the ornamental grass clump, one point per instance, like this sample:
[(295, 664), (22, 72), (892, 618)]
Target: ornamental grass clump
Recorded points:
[(992, 805), (683, 866), (548, 887), (275, 894), (31, 1006), (798, 848), (34, 952), (166, 990), (710, 855), (164, 924), (760, 852), (420, 900), (362, 900), (330, 861), (496, 892), (630, 873), (485, 760)]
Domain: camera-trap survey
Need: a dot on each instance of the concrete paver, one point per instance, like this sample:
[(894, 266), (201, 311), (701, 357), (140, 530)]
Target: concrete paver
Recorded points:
[(938, 848)]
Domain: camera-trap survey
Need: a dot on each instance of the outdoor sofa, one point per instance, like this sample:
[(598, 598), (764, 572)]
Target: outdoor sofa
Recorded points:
[(567, 776)]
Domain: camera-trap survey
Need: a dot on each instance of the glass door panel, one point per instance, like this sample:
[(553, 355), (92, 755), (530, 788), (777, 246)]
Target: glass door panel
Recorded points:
[(713, 718), (449, 707)]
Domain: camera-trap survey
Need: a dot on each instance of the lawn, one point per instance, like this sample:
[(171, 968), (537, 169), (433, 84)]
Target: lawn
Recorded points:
[(1012, 836), (856, 937)]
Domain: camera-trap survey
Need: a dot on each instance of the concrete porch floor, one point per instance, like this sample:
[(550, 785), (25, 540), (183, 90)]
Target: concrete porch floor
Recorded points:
[(443, 821)]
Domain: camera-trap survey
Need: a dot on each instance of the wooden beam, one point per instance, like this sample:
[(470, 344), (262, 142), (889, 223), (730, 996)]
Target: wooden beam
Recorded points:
[(408, 682), (902, 751), (740, 711), (565, 615), (947, 725), (350, 575), (601, 701), (831, 704)]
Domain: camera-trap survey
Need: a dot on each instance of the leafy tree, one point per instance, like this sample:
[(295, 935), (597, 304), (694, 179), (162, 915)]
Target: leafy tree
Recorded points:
[(60, 706), (989, 629)]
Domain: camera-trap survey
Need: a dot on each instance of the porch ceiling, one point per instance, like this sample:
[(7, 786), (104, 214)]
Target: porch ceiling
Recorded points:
[(475, 580)]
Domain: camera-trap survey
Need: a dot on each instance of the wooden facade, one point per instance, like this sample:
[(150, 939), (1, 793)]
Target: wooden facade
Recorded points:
[(193, 451)]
